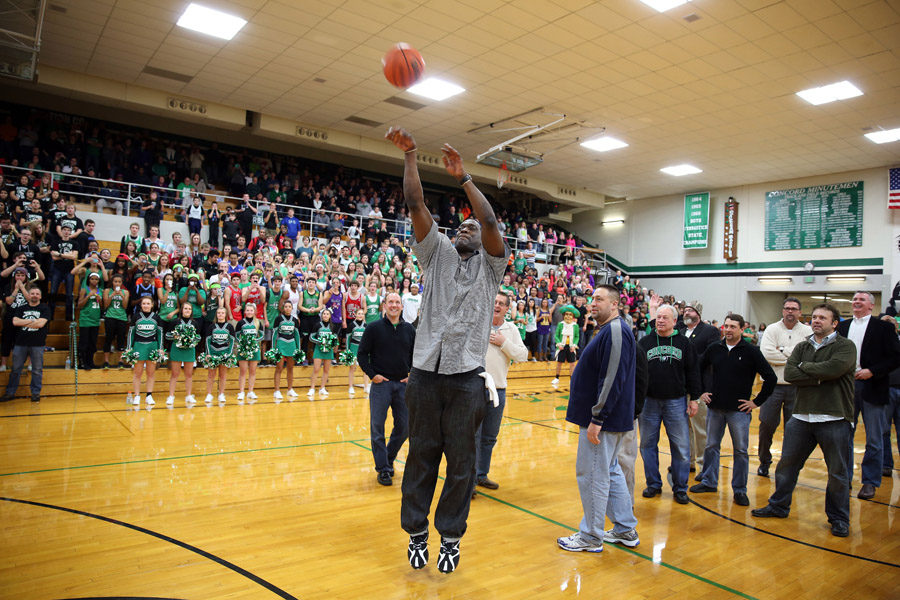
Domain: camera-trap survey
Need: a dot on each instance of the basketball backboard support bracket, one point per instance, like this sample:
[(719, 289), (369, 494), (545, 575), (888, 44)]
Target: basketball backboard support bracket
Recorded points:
[(535, 130)]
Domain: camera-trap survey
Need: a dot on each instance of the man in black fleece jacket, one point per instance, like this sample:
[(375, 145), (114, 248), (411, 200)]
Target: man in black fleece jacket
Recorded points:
[(735, 364), (674, 374)]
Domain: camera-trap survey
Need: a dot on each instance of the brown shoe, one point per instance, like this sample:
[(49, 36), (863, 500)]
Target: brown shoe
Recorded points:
[(487, 483), (866, 492)]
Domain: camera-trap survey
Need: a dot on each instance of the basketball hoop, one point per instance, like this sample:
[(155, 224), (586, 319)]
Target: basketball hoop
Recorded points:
[(502, 176)]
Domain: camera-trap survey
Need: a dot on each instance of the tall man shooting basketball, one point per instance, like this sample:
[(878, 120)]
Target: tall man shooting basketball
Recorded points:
[(445, 393)]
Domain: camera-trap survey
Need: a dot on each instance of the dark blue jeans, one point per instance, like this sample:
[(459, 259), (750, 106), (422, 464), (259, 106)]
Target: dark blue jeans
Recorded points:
[(19, 354), (893, 417), (780, 402), (444, 414), (57, 277), (382, 396), (800, 439), (875, 420), (486, 436), (673, 414)]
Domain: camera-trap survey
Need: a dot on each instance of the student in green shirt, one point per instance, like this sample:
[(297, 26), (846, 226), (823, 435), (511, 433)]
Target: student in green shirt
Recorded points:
[(89, 302)]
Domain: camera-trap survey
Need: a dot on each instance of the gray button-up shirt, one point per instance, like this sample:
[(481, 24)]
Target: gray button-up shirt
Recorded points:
[(457, 305)]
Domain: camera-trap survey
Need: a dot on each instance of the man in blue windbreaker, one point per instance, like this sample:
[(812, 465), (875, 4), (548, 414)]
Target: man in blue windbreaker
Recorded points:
[(601, 403)]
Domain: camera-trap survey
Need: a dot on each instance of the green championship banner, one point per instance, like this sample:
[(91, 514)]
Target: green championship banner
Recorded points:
[(696, 221), (822, 216)]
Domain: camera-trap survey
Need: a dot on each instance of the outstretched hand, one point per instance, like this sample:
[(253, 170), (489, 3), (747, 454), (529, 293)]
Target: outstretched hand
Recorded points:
[(655, 301), (400, 138), (453, 162)]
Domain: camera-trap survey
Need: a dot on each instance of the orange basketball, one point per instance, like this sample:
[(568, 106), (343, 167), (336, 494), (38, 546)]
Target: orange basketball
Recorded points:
[(403, 66)]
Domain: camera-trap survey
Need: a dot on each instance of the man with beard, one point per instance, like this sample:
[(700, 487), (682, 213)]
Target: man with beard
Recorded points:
[(446, 393)]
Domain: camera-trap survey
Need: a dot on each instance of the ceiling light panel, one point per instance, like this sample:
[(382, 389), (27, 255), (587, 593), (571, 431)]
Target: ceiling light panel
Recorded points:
[(830, 93), (884, 136), (211, 22), (664, 5), (680, 170), (604, 144), (436, 89)]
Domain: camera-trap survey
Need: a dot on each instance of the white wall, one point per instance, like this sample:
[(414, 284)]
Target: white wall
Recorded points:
[(652, 237)]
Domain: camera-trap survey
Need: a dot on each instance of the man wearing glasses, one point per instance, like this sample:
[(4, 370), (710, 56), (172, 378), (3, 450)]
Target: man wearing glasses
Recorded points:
[(777, 344)]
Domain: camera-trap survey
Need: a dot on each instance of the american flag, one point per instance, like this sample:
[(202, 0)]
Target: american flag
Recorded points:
[(894, 193)]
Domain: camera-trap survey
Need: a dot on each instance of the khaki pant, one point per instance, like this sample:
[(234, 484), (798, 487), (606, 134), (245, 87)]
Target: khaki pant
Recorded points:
[(698, 435)]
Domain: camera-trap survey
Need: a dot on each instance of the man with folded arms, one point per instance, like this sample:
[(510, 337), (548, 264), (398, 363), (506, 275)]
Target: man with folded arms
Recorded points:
[(822, 367)]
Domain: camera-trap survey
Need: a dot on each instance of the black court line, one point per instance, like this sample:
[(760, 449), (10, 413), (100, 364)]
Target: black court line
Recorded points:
[(254, 578), (796, 541)]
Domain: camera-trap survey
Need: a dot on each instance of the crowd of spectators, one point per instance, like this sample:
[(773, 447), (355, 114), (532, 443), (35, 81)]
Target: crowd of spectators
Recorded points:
[(297, 219)]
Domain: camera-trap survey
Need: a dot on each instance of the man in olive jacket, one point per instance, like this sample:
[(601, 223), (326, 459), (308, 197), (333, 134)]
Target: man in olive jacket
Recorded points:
[(822, 368)]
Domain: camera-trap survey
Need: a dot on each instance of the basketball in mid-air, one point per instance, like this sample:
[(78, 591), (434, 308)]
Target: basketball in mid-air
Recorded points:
[(403, 66)]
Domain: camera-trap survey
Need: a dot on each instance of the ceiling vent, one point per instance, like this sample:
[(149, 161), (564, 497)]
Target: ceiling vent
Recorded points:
[(363, 121), (397, 101), (167, 74)]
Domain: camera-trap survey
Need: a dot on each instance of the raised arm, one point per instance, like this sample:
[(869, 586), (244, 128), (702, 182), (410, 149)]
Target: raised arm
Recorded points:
[(412, 185), (491, 238)]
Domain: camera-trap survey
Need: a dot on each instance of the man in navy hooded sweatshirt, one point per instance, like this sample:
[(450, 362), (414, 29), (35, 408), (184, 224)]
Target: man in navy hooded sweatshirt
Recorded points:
[(601, 403)]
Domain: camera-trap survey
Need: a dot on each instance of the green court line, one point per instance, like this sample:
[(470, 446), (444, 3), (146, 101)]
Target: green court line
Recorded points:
[(146, 460), (615, 546)]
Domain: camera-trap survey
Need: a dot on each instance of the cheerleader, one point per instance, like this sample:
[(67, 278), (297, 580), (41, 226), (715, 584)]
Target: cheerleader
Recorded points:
[(323, 353), (220, 345), (286, 344), (248, 326), (183, 351), (356, 329), (144, 338)]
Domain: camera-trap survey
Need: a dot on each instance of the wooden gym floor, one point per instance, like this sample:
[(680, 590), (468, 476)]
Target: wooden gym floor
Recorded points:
[(280, 500)]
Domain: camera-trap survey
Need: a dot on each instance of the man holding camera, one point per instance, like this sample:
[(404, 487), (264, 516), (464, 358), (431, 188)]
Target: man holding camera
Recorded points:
[(31, 323)]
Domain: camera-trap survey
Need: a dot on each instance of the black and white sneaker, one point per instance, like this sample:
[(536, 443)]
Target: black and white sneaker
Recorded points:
[(448, 557), (418, 550)]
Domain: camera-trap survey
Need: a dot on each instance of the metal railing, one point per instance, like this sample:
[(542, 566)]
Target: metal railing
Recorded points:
[(547, 252)]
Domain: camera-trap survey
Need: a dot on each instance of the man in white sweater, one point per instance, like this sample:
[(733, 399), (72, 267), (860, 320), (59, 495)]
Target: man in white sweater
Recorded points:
[(777, 344), (506, 346)]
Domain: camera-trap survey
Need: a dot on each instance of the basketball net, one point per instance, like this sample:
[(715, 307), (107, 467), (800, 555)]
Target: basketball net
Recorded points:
[(502, 176)]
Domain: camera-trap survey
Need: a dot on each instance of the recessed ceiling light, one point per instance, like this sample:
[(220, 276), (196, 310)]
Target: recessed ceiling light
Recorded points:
[(604, 144), (211, 22), (664, 5), (679, 170), (829, 93), (436, 89), (884, 136)]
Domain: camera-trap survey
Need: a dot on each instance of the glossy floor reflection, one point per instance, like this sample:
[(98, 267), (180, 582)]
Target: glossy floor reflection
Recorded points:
[(280, 500)]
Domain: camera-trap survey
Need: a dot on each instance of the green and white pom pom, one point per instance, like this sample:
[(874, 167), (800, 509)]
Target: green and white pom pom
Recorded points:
[(246, 346), (299, 356), (328, 341), (273, 355), (159, 356), (229, 361), (186, 336), (347, 357), (130, 356), (209, 361)]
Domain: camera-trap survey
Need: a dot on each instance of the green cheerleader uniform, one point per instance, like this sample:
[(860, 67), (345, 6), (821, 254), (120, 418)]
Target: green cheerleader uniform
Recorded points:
[(220, 340), (355, 336), (186, 355), (145, 335), (319, 352), (244, 327), (373, 308), (286, 332)]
